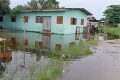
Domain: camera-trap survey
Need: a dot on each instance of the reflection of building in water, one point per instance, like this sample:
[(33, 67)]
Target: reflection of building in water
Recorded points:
[(43, 41), (46, 40), (22, 60), (6, 56)]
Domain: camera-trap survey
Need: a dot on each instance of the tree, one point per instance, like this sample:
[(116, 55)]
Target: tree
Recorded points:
[(43, 4), (18, 9), (112, 14), (52, 4), (4, 6)]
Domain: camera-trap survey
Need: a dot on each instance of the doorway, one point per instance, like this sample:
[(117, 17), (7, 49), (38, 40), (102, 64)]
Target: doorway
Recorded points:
[(46, 24)]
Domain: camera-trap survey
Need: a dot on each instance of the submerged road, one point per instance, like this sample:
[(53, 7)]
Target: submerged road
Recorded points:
[(104, 64)]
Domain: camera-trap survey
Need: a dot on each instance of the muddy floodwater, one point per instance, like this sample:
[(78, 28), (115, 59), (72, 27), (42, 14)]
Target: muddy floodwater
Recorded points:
[(104, 64), (25, 62)]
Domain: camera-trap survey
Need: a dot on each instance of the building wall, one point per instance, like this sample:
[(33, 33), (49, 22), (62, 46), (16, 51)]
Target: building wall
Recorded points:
[(32, 25), (65, 28), (74, 14)]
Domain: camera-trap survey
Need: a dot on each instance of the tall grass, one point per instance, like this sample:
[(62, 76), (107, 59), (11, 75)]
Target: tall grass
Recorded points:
[(76, 51), (111, 30)]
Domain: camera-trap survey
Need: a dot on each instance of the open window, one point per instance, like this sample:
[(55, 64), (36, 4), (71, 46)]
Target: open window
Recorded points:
[(59, 19), (25, 19), (73, 21), (1, 19), (39, 19), (13, 18)]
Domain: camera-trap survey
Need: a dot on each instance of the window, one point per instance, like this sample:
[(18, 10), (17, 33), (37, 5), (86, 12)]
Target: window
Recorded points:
[(39, 19), (13, 18), (82, 21), (73, 21), (1, 19), (26, 19), (59, 19)]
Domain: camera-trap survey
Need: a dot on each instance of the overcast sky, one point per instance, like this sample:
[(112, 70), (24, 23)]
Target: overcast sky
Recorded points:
[(96, 7)]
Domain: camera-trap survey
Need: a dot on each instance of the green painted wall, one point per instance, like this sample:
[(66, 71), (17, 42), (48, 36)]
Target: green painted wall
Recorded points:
[(65, 28)]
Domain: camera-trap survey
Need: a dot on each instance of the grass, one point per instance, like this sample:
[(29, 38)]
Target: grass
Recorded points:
[(90, 43), (83, 49), (77, 51), (51, 71), (111, 30)]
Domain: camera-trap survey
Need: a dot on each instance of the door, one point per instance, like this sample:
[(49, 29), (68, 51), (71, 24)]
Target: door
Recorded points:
[(46, 24)]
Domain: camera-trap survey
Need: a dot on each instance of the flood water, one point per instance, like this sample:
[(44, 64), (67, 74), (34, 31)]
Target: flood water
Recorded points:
[(26, 61), (25, 47), (104, 64)]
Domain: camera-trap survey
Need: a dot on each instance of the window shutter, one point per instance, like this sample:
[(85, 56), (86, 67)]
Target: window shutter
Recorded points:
[(59, 19), (41, 19), (71, 22), (36, 19)]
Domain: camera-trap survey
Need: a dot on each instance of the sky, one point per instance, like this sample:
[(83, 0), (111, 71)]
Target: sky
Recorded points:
[(96, 7)]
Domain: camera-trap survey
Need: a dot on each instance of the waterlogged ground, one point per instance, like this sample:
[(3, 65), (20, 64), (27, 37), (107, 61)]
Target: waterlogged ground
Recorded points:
[(30, 60), (104, 64)]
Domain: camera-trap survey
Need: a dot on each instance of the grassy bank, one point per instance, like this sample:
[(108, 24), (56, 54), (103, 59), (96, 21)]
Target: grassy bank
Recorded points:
[(111, 30), (83, 49)]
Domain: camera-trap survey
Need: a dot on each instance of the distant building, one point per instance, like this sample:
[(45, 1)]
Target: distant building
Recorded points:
[(59, 21)]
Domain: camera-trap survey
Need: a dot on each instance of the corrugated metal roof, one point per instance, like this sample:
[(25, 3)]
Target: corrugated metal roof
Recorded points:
[(59, 9)]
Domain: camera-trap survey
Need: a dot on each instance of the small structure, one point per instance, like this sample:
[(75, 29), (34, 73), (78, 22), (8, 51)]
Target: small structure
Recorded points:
[(5, 54), (92, 22), (59, 21)]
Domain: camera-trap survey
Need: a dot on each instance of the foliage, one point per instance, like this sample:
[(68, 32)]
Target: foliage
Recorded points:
[(111, 30), (112, 14), (4, 6), (114, 31), (51, 4), (18, 9), (43, 4)]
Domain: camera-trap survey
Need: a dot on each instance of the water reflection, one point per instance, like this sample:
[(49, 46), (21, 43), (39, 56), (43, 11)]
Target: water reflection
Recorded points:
[(42, 41), (26, 51)]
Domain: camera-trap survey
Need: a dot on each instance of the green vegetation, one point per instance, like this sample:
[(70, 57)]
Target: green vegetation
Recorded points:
[(43, 4), (83, 49), (4, 7), (90, 43), (76, 51), (18, 9), (52, 71), (112, 14), (111, 31)]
